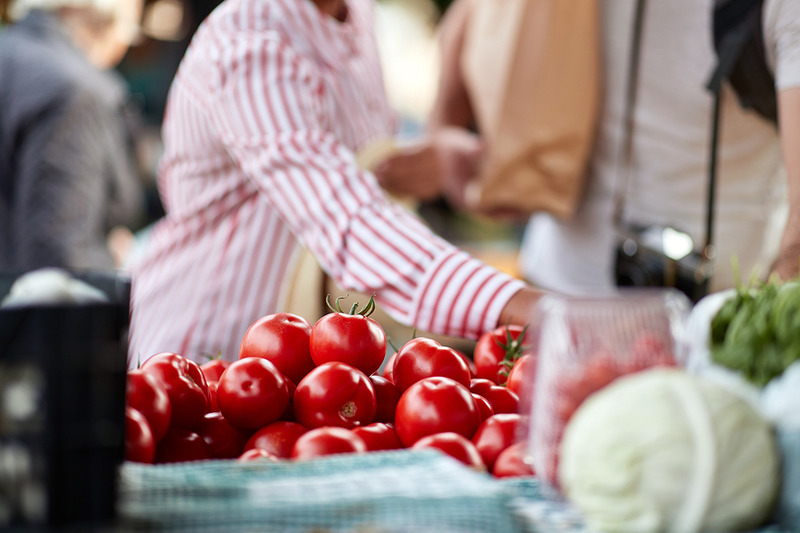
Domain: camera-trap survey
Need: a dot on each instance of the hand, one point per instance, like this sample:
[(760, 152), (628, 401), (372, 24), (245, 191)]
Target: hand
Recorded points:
[(440, 164)]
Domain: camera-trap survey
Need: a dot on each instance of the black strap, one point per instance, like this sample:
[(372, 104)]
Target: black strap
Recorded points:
[(631, 91)]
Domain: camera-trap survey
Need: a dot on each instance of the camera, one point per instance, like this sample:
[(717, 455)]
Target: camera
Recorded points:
[(661, 256)]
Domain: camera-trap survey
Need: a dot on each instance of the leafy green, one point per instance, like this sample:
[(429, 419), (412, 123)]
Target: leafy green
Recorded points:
[(757, 331)]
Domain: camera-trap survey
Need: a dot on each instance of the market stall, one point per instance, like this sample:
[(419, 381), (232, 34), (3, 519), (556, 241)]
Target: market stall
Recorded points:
[(637, 412)]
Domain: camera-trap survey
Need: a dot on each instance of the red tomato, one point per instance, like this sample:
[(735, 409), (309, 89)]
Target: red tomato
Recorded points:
[(386, 396), (484, 407), (225, 440), (281, 338), (435, 405), (388, 368), (422, 357), (328, 440), (185, 384), (351, 338), (213, 404), (454, 445), (181, 444), (257, 454), (513, 462), (252, 393), (496, 351), (469, 361), (213, 369), (288, 413), (502, 399), (148, 396), (277, 438), (334, 394), (140, 446), (495, 434), (378, 436), (523, 375)]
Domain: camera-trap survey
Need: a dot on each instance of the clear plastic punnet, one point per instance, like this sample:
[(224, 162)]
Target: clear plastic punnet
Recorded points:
[(584, 344)]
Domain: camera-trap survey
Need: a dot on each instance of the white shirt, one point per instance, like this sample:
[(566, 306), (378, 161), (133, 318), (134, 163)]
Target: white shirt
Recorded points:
[(267, 109), (667, 178)]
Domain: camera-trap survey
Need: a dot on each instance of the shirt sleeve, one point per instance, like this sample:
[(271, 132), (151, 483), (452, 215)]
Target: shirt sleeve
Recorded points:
[(274, 113), (782, 34)]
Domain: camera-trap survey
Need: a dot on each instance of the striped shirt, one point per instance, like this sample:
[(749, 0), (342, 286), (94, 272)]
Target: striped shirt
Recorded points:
[(266, 112)]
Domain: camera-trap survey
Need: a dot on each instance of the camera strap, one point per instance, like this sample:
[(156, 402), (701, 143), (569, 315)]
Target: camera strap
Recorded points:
[(626, 155)]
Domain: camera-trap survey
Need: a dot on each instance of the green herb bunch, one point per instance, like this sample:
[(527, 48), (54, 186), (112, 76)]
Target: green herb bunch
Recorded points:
[(757, 331)]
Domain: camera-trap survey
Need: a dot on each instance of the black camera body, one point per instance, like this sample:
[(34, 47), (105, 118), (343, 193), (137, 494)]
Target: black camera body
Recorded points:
[(644, 259)]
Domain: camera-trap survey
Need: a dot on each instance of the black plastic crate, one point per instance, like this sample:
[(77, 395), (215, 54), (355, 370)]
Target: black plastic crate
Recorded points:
[(62, 407)]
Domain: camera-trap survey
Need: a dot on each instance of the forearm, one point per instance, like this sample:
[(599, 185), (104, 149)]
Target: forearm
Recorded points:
[(787, 264)]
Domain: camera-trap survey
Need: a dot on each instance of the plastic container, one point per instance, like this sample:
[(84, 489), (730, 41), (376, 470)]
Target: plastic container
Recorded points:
[(584, 344), (62, 407)]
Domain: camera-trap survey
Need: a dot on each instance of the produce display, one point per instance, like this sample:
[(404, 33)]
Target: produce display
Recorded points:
[(665, 451), (300, 391), (611, 410)]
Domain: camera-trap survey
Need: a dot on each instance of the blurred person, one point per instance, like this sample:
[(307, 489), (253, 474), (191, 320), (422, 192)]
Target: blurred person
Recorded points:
[(67, 170), (272, 103), (757, 211)]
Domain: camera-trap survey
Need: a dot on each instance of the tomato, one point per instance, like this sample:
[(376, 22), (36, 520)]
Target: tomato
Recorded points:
[(225, 440), (140, 446), (502, 399), (388, 368), (495, 434), (423, 357), (522, 376), (496, 351), (386, 396), (181, 444), (334, 394), (435, 405), (257, 454), (454, 445), (484, 407), (213, 404), (185, 384), (353, 338), (512, 462), (327, 440), (378, 436), (288, 413), (469, 361), (281, 338), (147, 395), (277, 438), (213, 369), (252, 393)]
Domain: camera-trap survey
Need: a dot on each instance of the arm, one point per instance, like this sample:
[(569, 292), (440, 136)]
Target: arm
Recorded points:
[(788, 262), (283, 139)]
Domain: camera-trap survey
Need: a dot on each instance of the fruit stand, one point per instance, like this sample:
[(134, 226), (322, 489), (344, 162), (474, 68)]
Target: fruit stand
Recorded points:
[(417, 438)]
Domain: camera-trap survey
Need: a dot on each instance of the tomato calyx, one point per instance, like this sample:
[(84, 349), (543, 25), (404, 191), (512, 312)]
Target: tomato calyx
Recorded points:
[(367, 310), (513, 349)]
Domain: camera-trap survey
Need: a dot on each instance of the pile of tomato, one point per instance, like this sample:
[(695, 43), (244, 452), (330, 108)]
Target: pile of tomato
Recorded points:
[(299, 391)]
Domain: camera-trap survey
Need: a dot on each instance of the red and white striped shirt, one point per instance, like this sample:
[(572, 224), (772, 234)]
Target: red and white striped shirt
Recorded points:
[(268, 107)]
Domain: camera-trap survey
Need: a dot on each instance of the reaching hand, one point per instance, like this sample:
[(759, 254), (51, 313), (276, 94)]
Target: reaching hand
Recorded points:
[(439, 164)]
